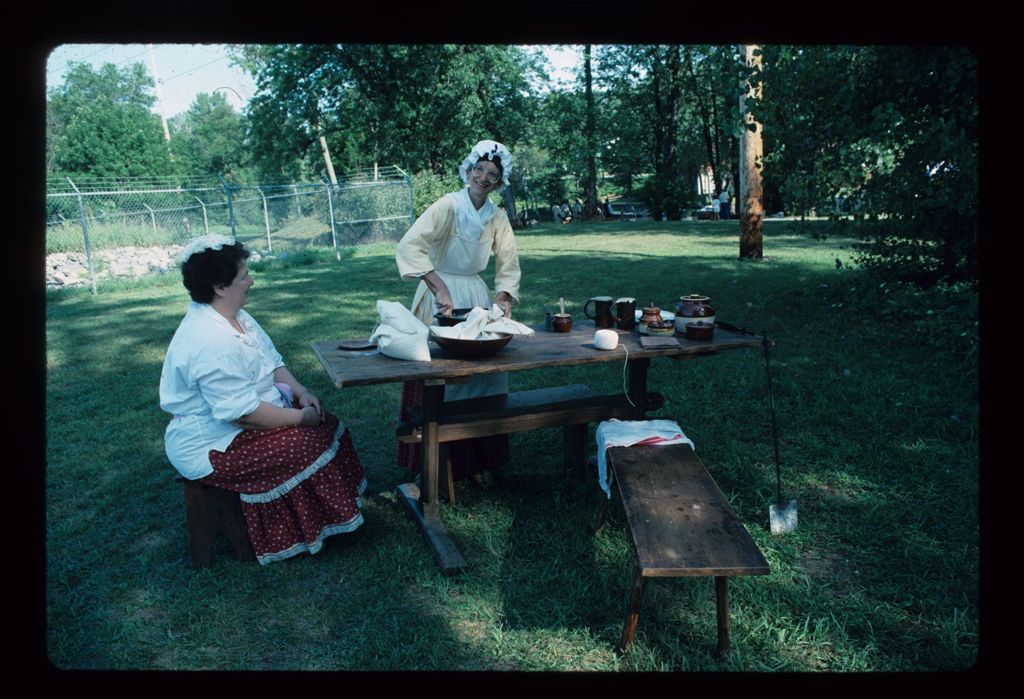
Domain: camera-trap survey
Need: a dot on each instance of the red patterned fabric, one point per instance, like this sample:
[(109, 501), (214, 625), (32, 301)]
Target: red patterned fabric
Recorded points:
[(298, 485), (468, 455)]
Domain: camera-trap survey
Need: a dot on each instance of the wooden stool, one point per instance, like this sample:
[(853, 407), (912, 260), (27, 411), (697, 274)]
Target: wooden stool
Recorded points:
[(211, 511)]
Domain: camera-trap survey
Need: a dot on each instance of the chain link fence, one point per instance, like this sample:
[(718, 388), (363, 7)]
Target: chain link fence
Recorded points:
[(100, 232)]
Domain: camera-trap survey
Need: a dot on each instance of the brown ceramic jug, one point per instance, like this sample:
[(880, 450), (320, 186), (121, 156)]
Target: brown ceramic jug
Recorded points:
[(650, 314), (694, 307)]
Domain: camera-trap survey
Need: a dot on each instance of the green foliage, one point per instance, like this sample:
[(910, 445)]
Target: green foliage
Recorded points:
[(209, 139), (428, 188), (415, 106), (99, 124), (884, 132)]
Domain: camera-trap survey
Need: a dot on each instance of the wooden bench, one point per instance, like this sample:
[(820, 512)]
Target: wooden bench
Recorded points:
[(569, 407), (210, 511), (682, 525)]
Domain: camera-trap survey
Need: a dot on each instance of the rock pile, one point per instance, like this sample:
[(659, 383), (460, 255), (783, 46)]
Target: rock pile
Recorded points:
[(64, 269)]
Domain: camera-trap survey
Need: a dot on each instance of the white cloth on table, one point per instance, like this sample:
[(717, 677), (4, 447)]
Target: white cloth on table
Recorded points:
[(481, 323), (620, 433), (400, 334)]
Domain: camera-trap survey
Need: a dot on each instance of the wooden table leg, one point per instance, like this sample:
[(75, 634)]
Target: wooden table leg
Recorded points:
[(638, 386), (423, 504), (722, 605)]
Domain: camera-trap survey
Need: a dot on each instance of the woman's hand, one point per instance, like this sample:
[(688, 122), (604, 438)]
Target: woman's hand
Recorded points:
[(504, 301), (308, 399), (442, 297), (310, 416), (443, 301)]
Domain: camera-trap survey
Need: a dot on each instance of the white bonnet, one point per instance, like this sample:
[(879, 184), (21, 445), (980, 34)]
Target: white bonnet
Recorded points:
[(491, 150), (207, 242)]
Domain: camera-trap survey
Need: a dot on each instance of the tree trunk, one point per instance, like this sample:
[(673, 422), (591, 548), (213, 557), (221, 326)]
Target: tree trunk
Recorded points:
[(705, 121), (590, 209), (751, 158)]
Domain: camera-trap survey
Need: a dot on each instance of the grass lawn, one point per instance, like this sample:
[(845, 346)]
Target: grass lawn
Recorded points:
[(876, 390)]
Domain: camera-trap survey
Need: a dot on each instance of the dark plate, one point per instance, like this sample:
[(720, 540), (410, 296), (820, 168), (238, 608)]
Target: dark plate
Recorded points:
[(458, 315), (472, 349)]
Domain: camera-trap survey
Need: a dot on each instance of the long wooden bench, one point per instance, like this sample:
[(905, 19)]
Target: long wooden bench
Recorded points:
[(569, 407), (682, 525)]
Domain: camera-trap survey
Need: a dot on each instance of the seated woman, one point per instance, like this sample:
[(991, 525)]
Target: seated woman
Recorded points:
[(244, 423)]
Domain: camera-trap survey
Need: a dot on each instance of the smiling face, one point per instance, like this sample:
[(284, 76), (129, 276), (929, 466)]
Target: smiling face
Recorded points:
[(484, 178), (236, 294)]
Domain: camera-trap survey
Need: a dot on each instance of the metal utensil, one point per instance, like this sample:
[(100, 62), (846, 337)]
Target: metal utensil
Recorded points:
[(782, 516)]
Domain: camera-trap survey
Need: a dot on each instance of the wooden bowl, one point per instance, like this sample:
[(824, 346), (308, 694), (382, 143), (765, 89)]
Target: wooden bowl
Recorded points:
[(458, 315), (472, 349)]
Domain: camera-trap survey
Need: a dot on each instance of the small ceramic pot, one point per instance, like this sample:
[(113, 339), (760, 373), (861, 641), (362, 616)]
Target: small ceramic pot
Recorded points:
[(651, 314), (561, 322), (694, 307), (661, 327), (700, 330)]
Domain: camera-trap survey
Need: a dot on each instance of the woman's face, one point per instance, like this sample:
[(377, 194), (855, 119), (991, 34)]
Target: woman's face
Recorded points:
[(236, 294), (481, 176)]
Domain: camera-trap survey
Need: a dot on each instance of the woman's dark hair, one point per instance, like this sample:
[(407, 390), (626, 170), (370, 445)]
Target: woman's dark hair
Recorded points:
[(497, 163), (211, 268)]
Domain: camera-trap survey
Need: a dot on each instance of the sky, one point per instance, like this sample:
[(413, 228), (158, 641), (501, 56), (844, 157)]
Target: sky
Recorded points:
[(185, 70)]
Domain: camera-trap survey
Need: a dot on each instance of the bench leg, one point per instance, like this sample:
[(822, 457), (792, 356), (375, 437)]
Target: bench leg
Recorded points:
[(574, 446), (633, 612), (598, 524), (722, 604), (202, 528)]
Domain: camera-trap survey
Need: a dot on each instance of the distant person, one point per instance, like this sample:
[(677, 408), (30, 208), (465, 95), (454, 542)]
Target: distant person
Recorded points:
[(243, 422), (724, 199), (577, 211), (716, 208), (556, 213), (606, 208), (566, 214)]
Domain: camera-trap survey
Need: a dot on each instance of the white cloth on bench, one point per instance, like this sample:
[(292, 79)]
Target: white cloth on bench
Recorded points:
[(620, 433)]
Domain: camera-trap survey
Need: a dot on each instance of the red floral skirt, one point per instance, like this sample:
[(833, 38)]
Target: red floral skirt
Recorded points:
[(298, 485), (468, 455)]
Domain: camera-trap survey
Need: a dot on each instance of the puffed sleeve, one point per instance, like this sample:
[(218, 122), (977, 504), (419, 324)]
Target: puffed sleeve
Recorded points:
[(506, 257), (227, 385), (426, 239)]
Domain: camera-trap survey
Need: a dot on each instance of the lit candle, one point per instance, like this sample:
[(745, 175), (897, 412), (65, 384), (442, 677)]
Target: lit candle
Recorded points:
[(561, 305)]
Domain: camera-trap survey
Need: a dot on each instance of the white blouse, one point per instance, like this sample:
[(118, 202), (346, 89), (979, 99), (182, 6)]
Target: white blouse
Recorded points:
[(213, 375)]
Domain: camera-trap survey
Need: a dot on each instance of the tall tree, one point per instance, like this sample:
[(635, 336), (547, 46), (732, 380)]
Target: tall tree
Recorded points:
[(590, 209), (209, 138), (99, 124), (751, 160)]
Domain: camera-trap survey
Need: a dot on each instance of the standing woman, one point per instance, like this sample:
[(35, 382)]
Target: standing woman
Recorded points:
[(447, 248), (244, 423)]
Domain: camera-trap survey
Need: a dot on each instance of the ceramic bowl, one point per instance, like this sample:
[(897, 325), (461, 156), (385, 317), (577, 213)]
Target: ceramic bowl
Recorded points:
[(700, 331), (472, 349), (661, 327)]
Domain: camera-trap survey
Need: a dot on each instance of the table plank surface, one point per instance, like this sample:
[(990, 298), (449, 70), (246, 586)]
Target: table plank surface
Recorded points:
[(544, 348)]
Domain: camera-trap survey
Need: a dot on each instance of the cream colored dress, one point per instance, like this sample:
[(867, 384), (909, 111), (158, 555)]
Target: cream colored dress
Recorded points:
[(455, 240)]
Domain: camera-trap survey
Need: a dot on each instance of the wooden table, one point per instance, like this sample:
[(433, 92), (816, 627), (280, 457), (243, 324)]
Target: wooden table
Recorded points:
[(543, 349)]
